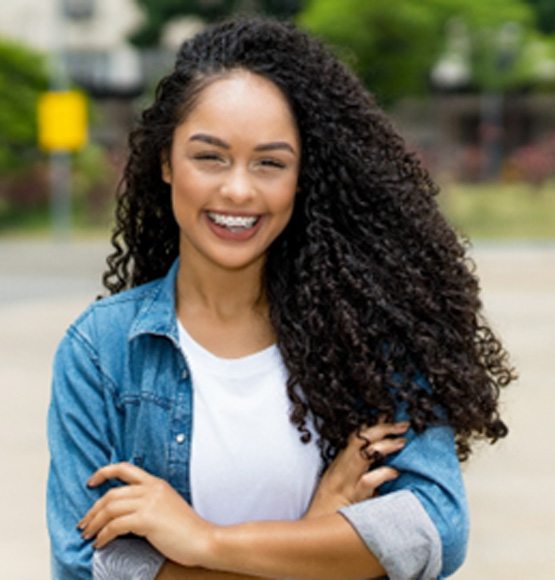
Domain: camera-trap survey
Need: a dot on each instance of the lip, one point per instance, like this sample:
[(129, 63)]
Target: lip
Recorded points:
[(224, 233)]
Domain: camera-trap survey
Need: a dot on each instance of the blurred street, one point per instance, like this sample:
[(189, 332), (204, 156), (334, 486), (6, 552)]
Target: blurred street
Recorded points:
[(45, 285)]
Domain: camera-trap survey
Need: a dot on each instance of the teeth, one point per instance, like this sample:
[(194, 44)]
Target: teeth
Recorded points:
[(233, 221)]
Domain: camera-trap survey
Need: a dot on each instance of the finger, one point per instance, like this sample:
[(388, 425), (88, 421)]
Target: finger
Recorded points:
[(110, 513), (112, 496), (376, 433), (121, 526), (378, 451), (370, 481), (125, 472), (382, 430)]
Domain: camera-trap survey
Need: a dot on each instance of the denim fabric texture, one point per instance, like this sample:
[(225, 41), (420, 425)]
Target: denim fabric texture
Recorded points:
[(121, 391)]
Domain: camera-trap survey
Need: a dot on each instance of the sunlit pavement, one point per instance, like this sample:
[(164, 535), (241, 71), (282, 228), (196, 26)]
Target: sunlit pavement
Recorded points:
[(511, 486)]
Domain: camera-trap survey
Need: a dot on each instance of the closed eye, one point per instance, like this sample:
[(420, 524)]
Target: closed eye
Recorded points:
[(272, 163), (208, 157)]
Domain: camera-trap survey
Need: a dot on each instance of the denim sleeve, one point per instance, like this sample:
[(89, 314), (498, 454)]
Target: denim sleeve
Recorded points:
[(79, 442), (80, 434), (394, 526)]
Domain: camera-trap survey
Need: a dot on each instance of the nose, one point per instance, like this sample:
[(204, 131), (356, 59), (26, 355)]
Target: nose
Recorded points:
[(238, 186)]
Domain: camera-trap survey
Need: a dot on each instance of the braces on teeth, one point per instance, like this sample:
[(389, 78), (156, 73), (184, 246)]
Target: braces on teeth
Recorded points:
[(229, 221)]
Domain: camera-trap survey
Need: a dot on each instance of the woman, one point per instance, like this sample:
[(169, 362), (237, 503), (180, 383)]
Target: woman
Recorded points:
[(287, 299)]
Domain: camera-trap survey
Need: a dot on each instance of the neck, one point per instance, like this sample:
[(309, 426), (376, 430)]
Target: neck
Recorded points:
[(225, 294)]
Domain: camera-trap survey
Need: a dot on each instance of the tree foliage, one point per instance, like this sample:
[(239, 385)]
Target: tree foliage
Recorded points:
[(393, 45), (545, 14), (158, 12), (22, 77)]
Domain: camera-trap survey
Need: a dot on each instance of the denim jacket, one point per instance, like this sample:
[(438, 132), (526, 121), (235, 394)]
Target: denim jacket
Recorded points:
[(121, 391)]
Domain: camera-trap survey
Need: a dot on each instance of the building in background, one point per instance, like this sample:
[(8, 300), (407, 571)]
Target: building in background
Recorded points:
[(90, 36)]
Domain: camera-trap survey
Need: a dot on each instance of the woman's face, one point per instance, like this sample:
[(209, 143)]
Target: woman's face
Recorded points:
[(233, 169)]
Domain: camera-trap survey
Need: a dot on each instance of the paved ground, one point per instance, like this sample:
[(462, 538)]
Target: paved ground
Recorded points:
[(44, 286)]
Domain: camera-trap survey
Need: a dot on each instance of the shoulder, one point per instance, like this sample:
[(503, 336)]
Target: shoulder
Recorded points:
[(111, 317)]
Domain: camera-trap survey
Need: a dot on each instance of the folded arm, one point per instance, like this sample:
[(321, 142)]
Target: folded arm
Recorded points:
[(321, 545)]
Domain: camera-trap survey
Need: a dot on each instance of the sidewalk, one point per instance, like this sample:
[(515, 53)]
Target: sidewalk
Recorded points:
[(511, 485), (44, 286)]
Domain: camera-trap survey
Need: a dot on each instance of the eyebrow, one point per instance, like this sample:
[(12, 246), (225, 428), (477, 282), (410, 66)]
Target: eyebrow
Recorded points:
[(211, 140), (277, 145)]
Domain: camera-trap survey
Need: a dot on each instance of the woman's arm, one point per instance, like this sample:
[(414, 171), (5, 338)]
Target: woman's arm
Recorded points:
[(420, 521), (172, 571), (325, 547), (320, 548), (322, 545), (78, 441), (126, 558)]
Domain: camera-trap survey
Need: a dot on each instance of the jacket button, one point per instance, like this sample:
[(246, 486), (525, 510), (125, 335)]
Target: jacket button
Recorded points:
[(180, 438)]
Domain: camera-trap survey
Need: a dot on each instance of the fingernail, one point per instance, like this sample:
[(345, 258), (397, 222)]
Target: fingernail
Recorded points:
[(402, 426)]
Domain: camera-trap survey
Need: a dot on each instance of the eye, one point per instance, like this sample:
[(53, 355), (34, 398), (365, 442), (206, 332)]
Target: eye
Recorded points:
[(272, 163), (210, 157)]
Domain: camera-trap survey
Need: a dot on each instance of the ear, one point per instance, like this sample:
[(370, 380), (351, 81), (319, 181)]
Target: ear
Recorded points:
[(165, 167)]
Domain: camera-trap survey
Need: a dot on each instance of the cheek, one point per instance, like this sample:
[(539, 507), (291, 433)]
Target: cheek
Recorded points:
[(186, 189), (284, 195)]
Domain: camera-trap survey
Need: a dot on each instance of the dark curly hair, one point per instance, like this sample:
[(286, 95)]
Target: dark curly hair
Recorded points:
[(372, 298)]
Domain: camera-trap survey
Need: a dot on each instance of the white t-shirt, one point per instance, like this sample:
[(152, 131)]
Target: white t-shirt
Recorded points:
[(247, 460)]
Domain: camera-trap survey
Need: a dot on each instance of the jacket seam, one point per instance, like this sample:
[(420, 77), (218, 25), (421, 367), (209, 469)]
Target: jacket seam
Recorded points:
[(107, 381)]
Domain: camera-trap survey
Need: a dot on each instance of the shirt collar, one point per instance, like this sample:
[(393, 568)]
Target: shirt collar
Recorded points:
[(157, 313)]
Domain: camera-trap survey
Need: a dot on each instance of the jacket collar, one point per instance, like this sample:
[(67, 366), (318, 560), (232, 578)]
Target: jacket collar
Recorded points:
[(156, 315)]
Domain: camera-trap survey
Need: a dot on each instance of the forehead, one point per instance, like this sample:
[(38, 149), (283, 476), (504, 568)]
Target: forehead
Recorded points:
[(243, 101)]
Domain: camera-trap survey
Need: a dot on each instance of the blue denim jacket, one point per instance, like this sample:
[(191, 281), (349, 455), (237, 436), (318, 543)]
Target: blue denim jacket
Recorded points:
[(122, 392)]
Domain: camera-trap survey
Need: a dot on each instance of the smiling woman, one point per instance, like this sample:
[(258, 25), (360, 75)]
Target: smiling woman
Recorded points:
[(233, 168), (293, 359)]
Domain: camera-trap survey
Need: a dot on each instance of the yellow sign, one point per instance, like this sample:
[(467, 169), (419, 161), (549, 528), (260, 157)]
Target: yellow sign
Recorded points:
[(62, 120)]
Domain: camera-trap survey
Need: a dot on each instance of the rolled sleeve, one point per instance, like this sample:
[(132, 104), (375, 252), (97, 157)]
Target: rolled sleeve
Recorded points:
[(428, 496), (399, 532), (127, 559)]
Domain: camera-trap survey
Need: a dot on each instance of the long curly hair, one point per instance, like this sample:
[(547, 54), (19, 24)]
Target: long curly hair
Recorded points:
[(373, 301)]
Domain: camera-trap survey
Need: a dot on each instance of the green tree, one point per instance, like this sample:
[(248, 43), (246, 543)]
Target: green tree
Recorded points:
[(23, 77), (158, 12), (393, 45), (545, 14)]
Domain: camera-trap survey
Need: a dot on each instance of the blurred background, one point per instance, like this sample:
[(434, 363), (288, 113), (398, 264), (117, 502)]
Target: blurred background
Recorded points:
[(471, 86)]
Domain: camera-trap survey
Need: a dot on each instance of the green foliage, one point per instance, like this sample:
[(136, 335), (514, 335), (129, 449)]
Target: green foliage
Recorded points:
[(545, 14), (393, 45), (158, 12), (23, 77), (537, 62)]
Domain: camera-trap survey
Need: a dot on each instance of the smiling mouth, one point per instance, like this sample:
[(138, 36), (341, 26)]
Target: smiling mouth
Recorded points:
[(234, 223)]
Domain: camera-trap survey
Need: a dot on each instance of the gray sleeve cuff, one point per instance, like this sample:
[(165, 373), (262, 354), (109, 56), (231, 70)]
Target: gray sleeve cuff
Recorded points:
[(399, 532), (127, 559)]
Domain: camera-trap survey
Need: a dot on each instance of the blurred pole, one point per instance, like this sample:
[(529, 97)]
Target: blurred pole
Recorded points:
[(492, 107), (60, 160), (450, 74), (493, 101), (60, 194)]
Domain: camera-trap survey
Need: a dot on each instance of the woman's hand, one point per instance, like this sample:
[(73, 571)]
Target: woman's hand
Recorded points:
[(147, 506), (349, 478)]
